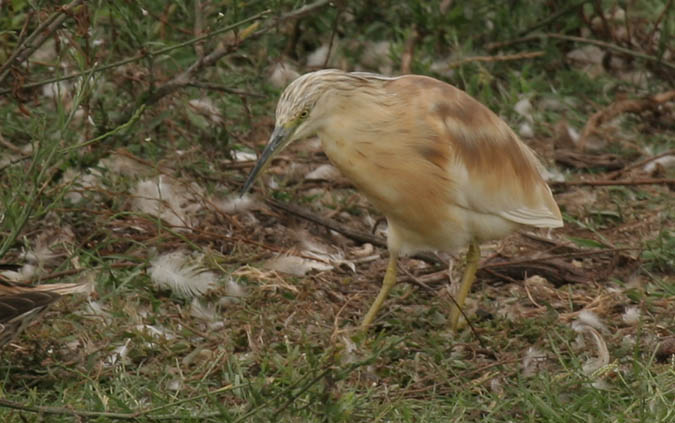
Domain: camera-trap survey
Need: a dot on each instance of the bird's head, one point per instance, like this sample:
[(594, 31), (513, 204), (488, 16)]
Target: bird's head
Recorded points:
[(299, 115)]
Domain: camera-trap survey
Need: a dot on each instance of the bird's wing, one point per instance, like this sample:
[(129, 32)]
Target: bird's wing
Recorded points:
[(17, 311), (490, 169), (20, 305), (12, 306), (541, 217)]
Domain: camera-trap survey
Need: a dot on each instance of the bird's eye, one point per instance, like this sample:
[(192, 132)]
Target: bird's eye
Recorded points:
[(304, 114)]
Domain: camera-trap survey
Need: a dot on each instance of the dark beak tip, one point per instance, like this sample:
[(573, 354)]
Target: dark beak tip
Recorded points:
[(276, 139)]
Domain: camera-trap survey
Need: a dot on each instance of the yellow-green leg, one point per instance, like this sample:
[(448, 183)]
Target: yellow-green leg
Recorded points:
[(472, 258), (387, 283)]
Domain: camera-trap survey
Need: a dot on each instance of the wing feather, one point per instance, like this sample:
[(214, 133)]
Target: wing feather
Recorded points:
[(540, 218)]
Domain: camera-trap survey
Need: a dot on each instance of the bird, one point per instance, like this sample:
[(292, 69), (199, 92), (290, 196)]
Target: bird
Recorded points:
[(21, 305), (444, 170)]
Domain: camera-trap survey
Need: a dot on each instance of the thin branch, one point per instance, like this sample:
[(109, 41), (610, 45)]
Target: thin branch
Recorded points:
[(575, 254), (218, 87), (614, 47), (333, 34), (497, 58), (508, 43), (38, 37), (597, 7), (63, 411), (132, 120), (664, 12), (598, 43), (298, 394), (409, 51), (571, 8), (305, 10), (23, 34), (616, 173), (70, 272), (9, 145), (452, 299), (358, 236), (626, 24), (298, 13), (142, 55), (623, 106), (199, 27), (183, 79)]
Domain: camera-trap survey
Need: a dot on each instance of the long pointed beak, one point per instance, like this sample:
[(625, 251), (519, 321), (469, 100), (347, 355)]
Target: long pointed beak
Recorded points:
[(275, 144)]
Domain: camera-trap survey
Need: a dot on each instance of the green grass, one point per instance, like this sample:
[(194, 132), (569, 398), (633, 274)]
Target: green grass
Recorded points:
[(286, 351)]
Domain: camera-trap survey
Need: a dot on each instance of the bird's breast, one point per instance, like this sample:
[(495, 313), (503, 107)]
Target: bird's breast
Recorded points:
[(412, 191)]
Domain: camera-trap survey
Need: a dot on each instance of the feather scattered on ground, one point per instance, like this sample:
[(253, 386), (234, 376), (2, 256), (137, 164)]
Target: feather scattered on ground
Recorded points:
[(205, 107), (524, 108), (631, 316), (296, 266), (208, 313), (175, 272), (165, 199), (588, 323), (665, 162), (283, 74), (533, 361), (235, 204), (324, 172), (119, 355)]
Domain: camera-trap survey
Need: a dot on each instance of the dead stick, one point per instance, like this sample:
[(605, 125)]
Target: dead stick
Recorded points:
[(38, 37), (198, 27), (664, 12), (70, 272), (614, 47), (486, 266), (640, 163), (185, 78), (598, 43), (142, 54), (66, 411), (498, 58), (623, 106), (329, 223), (218, 87), (571, 8), (349, 233), (409, 51)]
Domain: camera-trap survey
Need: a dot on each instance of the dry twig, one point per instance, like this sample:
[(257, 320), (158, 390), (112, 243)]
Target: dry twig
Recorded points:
[(38, 37), (664, 12), (199, 27), (623, 106), (409, 51), (142, 54), (497, 58), (603, 44), (148, 414), (357, 236), (617, 173), (253, 31)]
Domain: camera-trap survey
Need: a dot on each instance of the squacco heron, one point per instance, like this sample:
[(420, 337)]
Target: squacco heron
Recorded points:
[(444, 170)]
